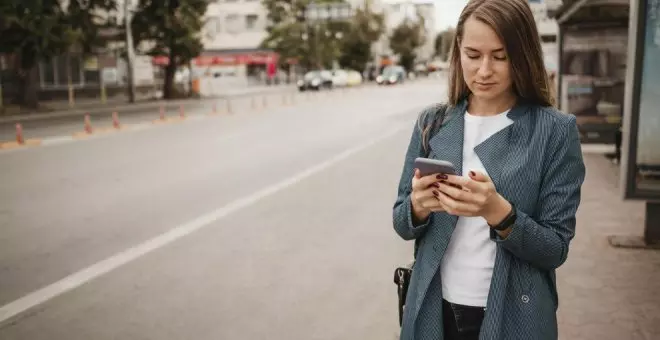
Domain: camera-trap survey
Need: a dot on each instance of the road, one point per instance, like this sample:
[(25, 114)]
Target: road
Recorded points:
[(267, 224)]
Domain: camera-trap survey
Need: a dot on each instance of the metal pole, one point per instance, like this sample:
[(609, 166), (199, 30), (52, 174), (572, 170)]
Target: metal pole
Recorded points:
[(68, 79), (316, 47), (1, 102), (130, 53), (652, 224)]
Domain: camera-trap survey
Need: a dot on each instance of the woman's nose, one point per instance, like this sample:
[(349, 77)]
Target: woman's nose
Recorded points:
[(485, 68)]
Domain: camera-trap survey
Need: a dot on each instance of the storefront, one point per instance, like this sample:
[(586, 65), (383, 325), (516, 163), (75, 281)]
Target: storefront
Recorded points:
[(593, 40), (236, 66)]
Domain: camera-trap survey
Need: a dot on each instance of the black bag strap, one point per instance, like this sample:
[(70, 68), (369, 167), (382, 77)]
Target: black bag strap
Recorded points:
[(440, 114)]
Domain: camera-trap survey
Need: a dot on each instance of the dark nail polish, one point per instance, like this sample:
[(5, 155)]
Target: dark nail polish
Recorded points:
[(472, 173), (441, 176), (436, 185), (435, 193)]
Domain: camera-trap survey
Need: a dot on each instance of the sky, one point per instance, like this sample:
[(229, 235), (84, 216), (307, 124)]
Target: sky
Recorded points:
[(447, 12)]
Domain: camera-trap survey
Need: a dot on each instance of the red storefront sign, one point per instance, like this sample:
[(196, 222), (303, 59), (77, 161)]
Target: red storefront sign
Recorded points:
[(225, 59)]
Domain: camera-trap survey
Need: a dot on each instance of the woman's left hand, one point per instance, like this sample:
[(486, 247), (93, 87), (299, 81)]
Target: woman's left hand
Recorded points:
[(478, 197)]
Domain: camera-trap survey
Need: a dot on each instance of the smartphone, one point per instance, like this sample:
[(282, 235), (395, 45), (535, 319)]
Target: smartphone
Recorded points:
[(428, 166)]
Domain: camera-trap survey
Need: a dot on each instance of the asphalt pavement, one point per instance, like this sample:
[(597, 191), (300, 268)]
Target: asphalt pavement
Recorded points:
[(269, 223)]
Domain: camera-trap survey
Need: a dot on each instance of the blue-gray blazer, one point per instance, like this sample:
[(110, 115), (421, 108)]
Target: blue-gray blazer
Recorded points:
[(536, 164)]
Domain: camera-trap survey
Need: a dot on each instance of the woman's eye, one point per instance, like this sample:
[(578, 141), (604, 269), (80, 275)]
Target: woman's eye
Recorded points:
[(473, 56), (500, 58)]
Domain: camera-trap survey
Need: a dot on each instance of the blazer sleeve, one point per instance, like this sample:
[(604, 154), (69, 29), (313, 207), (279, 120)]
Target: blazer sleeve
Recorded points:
[(403, 220), (543, 240)]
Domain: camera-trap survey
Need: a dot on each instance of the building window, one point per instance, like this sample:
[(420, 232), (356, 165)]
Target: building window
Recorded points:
[(211, 27), (251, 21), (232, 23)]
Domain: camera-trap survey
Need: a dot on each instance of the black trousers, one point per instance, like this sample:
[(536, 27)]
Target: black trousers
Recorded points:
[(462, 322)]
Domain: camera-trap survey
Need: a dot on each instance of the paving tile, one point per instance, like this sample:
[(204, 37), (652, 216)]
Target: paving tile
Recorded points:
[(605, 292)]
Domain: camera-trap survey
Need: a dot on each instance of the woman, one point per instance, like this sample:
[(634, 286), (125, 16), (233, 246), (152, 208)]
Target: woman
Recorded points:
[(490, 240)]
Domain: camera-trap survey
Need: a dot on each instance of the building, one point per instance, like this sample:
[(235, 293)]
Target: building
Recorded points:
[(548, 31), (231, 37), (399, 11)]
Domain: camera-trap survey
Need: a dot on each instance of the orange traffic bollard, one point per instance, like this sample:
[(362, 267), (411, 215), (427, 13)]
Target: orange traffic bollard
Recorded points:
[(19, 134), (182, 112), (162, 112), (115, 120), (88, 124)]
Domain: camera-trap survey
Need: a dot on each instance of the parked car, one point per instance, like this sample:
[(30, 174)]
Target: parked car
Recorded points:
[(339, 78), (315, 80), (392, 75), (354, 78)]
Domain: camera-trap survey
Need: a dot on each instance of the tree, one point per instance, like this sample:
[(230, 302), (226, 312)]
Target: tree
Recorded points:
[(33, 31), (291, 36), (404, 41), (443, 43), (171, 28), (366, 28), (287, 29), (287, 41)]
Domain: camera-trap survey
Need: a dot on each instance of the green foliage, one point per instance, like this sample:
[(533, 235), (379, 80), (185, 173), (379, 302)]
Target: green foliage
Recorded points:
[(87, 24), (171, 27), (443, 43), (287, 28), (286, 40), (366, 28), (38, 30), (405, 39)]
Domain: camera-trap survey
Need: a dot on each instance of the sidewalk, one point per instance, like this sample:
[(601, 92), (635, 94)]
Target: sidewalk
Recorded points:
[(92, 105), (604, 292)]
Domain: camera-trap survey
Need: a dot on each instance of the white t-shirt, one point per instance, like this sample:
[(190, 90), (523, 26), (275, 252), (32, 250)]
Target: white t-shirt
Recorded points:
[(467, 265)]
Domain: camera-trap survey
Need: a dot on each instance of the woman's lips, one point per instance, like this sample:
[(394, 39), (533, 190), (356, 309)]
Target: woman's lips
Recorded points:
[(484, 86)]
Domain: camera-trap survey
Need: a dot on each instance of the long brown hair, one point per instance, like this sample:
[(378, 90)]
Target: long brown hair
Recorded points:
[(513, 22)]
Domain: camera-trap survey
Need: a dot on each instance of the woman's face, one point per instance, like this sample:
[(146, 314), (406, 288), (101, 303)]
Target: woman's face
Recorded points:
[(485, 64)]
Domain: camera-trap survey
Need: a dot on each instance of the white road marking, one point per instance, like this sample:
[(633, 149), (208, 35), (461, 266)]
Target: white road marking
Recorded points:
[(90, 273)]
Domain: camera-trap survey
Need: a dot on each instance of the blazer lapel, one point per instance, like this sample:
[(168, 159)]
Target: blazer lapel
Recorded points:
[(447, 144), (493, 151)]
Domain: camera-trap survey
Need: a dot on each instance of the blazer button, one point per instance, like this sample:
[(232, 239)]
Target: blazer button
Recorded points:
[(525, 299)]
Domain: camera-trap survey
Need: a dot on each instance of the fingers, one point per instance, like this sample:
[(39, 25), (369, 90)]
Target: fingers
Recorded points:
[(455, 193), (422, 195), (433, 204), (421, 183), (427, 199), (466, 183), (457, 208), (479, 176)]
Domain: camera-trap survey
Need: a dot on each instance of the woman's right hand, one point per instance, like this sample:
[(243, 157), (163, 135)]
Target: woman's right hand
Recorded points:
[(422, 197)]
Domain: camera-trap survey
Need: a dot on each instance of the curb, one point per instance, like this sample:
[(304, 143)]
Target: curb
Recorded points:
[(124, 106), (15, 145)]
